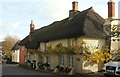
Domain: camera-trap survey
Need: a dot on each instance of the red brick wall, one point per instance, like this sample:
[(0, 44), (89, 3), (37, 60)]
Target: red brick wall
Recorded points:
[(22, 55)]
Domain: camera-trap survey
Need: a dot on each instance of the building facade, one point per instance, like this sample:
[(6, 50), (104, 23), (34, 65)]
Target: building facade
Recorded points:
[(15, 53), (80, 26)]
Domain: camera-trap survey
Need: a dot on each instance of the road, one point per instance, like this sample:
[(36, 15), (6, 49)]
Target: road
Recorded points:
[(0, 70), (13, 70)]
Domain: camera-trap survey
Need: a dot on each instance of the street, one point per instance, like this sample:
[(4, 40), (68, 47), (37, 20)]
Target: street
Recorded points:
[(0, 69), (13, 70)]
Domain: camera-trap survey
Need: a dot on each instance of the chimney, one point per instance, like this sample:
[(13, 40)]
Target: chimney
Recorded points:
[(74, 10), (111, 9), (32, 26), (75, 6), (31, 30)]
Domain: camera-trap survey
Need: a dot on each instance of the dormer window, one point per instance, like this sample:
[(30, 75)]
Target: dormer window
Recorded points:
[(45, 45)]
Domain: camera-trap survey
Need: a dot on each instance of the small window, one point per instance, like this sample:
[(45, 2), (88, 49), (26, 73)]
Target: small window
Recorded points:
[(70, 61), (45, 44), (70, 42), (61, 60), (41, 59), (47, 59)]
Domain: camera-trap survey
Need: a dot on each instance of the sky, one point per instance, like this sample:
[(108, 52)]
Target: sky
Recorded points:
[(16, 15)]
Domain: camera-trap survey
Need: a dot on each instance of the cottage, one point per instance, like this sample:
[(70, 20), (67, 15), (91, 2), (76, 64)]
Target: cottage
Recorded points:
[(15, 53), (80, 26)]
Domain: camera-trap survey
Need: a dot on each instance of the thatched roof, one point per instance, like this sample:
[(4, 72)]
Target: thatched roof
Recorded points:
[(85, 23), (15, 47)]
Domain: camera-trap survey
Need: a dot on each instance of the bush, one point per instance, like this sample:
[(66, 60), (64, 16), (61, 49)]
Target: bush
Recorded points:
[(33, 65), (47, 65), (57, 66), (9, 60), (34, 61), (60, 68), (40, 65), (29, 61), (67, 69)]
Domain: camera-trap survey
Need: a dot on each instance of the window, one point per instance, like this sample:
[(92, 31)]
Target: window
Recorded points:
[(22, 48), (61, 60), (47, 59), (70, 61), (45, 44), (70, 42), (41, 59)]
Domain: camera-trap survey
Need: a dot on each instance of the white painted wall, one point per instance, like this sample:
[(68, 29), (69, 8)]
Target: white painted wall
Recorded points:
[(15, 56), (92, 42), (115, 45)]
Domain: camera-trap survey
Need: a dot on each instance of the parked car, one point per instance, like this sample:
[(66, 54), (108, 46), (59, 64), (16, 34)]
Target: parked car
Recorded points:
[(112, 67)]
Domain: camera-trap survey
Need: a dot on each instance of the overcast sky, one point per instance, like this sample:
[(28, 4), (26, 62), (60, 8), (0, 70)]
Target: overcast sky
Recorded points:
[(16, 15)]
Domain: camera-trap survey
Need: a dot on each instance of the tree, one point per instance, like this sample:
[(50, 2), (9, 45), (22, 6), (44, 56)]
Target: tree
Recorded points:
[(7, 45)]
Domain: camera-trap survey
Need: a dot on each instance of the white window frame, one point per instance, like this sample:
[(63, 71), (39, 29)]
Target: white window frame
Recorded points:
[(48, 59), (70, 42), (41, 59), (70, 61), (61, 59)]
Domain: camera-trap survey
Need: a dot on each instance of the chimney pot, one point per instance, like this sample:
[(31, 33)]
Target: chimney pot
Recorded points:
[(111, 9), (75, 6), (31, 30)]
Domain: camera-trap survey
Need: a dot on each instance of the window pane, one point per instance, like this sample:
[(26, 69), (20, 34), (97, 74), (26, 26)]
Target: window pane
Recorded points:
[(72, 61)]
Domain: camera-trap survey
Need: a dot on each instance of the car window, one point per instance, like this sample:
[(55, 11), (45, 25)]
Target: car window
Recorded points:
[(116, 59)]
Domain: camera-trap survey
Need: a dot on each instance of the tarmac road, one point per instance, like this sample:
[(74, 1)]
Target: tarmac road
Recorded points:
[(13, 70)]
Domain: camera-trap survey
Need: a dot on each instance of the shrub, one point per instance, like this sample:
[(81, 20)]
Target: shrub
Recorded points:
[(40, 65), (29, 61), (34, 60), (60, 68), (67, 69), (47, 65), (57, 66)]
